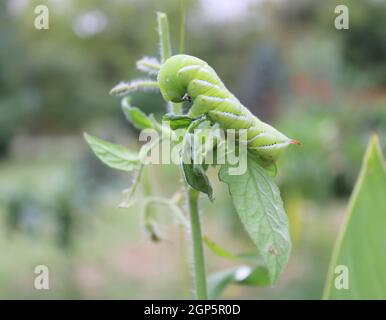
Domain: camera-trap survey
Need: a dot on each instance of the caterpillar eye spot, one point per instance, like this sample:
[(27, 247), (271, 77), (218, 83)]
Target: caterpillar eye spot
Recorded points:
[(186, 98)]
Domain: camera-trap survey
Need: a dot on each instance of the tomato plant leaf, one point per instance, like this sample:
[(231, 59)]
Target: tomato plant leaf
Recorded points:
[(113, 155), (219, 251), (150, 65), (244, 275), (136, 116), (357, 269), (196, 177), (260, 208), (177, 121), (259, 276), (223, 253)]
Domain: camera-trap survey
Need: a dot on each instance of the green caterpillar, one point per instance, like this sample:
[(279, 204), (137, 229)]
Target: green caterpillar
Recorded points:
[(184, 77)]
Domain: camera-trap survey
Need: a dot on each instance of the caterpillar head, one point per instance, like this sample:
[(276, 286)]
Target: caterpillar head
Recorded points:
[(173, 86)]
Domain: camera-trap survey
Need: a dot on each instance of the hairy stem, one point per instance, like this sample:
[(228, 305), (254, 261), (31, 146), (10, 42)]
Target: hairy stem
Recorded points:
[(124, 88), (198, 254), (166, 48), (183, 253), (164, 36), (177, 109), (193, 195), (182, 25)]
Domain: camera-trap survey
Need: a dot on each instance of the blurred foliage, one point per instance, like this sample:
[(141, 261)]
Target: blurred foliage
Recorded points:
[(362, 46), (333, 141), (53, 81)]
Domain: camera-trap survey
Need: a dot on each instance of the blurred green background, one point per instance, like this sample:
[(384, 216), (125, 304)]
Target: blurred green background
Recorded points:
[(283, 59)]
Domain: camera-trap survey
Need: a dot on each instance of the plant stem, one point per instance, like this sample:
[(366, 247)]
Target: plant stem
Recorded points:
[(182, 25), (193, 195), (198, 254), (166, 49), (164, 35), (183, 265)]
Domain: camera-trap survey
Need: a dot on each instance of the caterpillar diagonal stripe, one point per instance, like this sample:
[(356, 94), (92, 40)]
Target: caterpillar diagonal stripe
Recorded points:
[(184, 77)]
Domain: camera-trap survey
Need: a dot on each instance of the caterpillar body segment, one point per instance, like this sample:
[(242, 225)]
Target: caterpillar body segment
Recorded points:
[(184, 76)]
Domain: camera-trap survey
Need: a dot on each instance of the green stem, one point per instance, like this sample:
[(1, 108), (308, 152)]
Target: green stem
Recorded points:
[(198, 254), (164, 36), (166, 48), (193, 195), (182, 26), (183, 265)]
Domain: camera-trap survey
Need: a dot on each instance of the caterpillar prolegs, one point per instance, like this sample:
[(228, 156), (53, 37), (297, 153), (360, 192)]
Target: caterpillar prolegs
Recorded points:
[(184, 77)]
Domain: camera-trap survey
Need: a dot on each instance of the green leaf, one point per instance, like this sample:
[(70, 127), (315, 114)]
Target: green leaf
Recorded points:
[(196, 177), (361, 245), (259, 277), (149, 64), (243, 275), (124, 88), (258, 203), (177, 121), (219, 251), (218, 282), (271, 169), (136, 116), (113, 155)]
